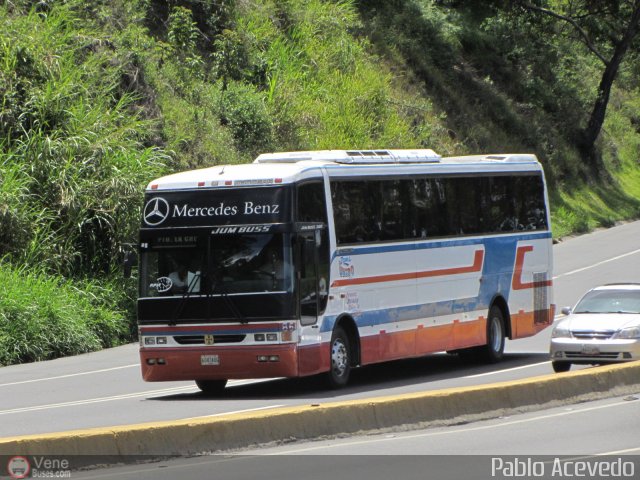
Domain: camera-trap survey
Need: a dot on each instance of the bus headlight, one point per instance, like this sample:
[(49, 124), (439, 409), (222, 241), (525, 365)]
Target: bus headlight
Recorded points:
[(149, 341)]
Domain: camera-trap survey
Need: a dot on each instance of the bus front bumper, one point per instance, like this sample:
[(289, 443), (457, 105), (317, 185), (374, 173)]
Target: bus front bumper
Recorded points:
[(216, 363)]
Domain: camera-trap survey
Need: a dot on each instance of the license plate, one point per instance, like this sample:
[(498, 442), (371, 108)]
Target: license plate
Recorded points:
[(209, 360), (590, 350)]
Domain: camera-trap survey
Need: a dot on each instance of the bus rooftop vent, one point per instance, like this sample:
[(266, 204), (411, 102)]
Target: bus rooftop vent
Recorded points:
[(353, 156), (390, 156), (511, 157)]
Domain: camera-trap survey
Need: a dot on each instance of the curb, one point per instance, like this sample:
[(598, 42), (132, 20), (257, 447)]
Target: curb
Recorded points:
[(193, 436)]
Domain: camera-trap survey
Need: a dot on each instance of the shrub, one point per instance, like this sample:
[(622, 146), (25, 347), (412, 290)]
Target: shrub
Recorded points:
[(243, 110), (44, 317)]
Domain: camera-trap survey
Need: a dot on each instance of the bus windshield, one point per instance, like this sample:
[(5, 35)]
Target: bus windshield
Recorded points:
[(228, 264)]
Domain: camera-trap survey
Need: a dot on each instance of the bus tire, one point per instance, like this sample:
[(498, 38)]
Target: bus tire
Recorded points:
[(493, 351), (211, 387), (340, 356)]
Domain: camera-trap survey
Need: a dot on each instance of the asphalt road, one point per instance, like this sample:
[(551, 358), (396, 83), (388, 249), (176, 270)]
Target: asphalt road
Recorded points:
[(105, 388), (564, 438), (568, 430)]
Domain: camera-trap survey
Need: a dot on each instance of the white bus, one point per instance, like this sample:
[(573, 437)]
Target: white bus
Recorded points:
[(318, 262)]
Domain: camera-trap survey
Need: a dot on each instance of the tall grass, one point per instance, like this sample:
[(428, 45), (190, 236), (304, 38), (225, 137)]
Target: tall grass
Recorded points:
[(44, 317), (291, 76), (75, 155), (326, 87), (74, 159)]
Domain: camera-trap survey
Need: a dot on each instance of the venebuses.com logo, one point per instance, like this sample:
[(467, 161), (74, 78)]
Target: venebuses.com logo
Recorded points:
[(38, 467), (18, 467)]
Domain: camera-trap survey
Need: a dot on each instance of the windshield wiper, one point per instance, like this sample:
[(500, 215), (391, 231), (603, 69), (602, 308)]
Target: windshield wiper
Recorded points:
[(185, 295), (231, 305)]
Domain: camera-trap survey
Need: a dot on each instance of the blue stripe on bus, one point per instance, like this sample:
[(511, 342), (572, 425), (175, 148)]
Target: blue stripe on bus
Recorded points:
[(389, 316), (497, 275)]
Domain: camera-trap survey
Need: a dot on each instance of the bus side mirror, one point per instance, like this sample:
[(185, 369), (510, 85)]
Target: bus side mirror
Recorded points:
[(130, 261)]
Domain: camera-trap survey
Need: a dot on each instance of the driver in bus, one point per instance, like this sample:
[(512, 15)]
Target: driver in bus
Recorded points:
[(273, 264), (271, 259), (182, 278)]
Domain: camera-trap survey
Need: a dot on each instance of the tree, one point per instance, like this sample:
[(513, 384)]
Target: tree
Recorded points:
[(608, 29)]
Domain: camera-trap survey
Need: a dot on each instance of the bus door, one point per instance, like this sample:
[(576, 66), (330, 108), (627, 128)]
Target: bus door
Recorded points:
[(312, 273), (311, 287)]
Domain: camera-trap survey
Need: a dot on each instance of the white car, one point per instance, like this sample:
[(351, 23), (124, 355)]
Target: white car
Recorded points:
[(604, 327)]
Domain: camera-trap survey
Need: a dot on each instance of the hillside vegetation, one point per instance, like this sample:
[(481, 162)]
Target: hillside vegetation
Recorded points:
[(100, 97)]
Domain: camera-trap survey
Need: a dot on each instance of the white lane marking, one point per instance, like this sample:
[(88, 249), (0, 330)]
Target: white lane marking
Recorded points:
[(98, 400), (221, 414), (444, 432), (187, 388), (613, 259), (70, 375), (620, 452), (506, 370), (251, 381)]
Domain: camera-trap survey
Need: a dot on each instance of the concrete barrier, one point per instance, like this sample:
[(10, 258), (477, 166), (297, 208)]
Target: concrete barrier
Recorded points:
[(417, 410)]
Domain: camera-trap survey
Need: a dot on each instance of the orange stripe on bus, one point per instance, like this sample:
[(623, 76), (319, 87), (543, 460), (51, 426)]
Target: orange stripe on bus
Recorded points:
[(475, 267), (517, 283)]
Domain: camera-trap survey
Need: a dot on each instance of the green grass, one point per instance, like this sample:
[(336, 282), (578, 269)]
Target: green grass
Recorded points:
[(44, 317)]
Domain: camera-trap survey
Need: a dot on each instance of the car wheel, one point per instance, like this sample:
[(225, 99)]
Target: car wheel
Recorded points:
[(560, 367), (211, 387), (340, 355)]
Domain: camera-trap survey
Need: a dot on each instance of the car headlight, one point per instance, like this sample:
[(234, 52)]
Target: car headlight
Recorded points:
[(628, 333), (560, 331)]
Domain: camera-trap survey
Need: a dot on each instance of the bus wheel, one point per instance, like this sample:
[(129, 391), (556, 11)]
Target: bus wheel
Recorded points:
[(211, 387), (494, 349), (340, 358)]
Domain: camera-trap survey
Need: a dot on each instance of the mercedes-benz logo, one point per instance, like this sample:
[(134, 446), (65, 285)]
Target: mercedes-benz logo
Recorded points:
[(156, 211)]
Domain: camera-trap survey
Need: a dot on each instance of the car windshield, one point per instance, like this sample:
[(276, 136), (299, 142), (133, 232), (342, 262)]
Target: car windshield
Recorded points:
[(610, 301)]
